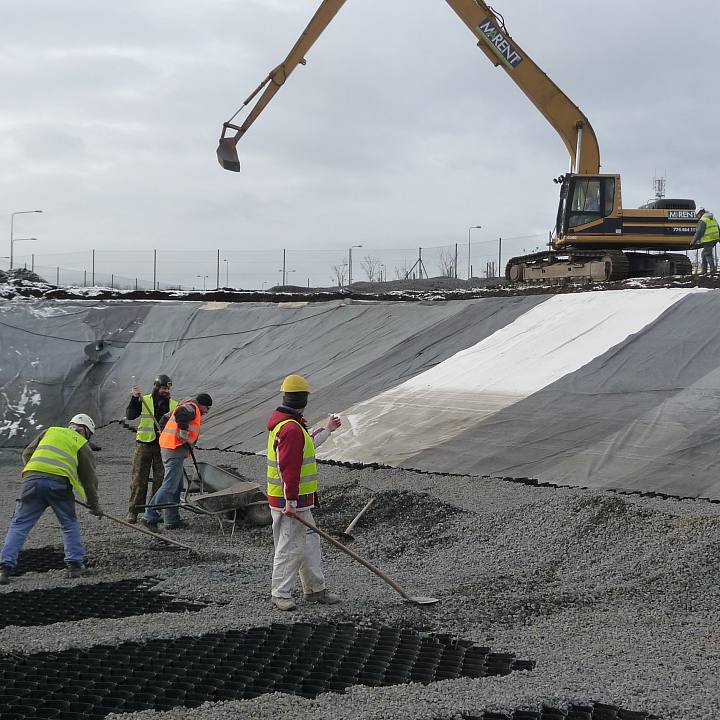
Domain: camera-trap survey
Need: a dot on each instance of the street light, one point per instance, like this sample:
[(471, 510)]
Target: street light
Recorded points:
[(227, 283), (350, 249), (204, 277), (12, 228), (472, 227)]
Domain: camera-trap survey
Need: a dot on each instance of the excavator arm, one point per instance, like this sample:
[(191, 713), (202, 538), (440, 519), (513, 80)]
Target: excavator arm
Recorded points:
[(227, 150), (493, 39)]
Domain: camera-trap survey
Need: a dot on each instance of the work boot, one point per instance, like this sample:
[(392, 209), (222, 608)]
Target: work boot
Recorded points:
[(131, 517), (75, 569), (151, 526), (175, 525), (323, 597), (5, 572), (284, 604)]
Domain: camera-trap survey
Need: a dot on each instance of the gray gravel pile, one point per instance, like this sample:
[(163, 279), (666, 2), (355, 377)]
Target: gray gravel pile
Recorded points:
[(615, 597)]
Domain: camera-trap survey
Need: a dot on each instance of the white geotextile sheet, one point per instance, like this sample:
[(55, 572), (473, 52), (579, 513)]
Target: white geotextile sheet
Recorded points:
[(548, 342)]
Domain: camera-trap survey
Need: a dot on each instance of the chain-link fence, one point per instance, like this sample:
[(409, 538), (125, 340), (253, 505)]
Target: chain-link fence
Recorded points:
[(262, 269)]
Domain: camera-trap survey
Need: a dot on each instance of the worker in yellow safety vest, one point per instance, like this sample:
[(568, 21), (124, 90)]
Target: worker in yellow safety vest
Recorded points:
[(292, 488), (150, 408), (706, 237), (57, 463), (179, 435)]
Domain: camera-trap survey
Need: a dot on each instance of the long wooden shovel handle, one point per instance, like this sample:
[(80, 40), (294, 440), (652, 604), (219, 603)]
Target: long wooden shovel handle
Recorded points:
[(354, 556), (351, 526), (142, 530)]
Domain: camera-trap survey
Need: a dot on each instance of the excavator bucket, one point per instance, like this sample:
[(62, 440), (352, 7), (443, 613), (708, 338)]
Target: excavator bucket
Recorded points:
[(227, 151)]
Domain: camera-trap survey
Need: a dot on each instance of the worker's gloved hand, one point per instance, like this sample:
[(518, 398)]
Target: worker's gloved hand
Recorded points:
[(184, 435), (97, 511), (333, 423), (290, 508), (135, 391)]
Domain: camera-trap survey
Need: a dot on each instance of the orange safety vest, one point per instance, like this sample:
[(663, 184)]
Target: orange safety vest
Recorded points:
[(169, 436)]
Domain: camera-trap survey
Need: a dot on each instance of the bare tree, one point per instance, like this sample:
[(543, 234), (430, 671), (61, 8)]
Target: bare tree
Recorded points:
[(372, 268), (401, 271), (447, 263), (340, 274)]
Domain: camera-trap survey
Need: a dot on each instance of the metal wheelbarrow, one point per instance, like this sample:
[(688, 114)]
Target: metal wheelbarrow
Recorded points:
[(231, 493)]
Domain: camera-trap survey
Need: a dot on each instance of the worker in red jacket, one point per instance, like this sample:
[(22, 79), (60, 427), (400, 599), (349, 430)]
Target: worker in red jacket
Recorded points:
[(292, 487)]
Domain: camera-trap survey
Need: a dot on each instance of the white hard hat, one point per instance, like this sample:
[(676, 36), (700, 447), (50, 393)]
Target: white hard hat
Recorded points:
[(83, 419)]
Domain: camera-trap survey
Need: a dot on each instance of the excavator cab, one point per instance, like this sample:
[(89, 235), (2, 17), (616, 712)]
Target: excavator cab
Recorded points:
[(587, 205)]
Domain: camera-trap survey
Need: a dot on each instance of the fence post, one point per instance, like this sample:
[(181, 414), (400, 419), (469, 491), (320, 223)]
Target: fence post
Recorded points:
[(135, 284), (499, 257), (112, 281), (154, 269), (217, 271), (84, 278), (57, 276), (456, 259), (32, 262), (93, 268)]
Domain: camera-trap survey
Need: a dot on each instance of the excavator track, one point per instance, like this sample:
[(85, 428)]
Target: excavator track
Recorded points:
[(568, 266)]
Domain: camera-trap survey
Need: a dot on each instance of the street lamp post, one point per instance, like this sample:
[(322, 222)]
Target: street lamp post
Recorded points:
[(12, 229), (204, 277), (472, 227), (227, 282), (350, 249)]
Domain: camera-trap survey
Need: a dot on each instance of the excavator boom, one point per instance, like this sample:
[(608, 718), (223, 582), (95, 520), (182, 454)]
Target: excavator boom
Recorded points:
[(493, 39), (227, 147)]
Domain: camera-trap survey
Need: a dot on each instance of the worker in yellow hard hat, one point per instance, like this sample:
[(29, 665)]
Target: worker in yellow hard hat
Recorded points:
[(292, 487)]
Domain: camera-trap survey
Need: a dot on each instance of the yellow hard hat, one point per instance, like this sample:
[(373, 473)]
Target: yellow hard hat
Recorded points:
[(295, 383)]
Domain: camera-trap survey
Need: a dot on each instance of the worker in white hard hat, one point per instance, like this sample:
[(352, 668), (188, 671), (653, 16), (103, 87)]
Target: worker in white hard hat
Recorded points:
[(706, 237), (58, 464), (292, 486)]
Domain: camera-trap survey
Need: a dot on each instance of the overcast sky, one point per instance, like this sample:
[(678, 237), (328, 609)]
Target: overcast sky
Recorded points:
[(398, 133)]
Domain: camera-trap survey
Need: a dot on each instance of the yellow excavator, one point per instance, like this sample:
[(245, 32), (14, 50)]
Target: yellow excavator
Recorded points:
[(595, 238)]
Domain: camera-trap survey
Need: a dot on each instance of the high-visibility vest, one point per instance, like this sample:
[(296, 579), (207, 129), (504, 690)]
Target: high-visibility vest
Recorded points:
[(169, 437), (308, 471), (57, 454), (712, 230), (146, 426)]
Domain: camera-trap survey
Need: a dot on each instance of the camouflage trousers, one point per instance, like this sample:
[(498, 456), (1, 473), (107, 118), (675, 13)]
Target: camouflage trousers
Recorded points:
[(145, 458)]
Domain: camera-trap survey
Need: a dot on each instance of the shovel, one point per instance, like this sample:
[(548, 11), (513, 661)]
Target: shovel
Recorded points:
[(143, 530), (416, 600), (348, 530)]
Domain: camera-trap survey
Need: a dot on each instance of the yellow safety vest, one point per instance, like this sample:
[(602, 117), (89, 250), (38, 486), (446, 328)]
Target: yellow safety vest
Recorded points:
[(57, 454), (712, 230), (308, 471), (146, 427)]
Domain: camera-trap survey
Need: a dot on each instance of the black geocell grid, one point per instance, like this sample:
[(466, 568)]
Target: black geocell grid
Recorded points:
[(40, 560), (302, 659), (100, 600), (595, 711)]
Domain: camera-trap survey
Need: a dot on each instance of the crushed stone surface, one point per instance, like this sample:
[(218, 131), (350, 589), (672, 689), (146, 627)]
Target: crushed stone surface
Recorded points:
[(616, 597)]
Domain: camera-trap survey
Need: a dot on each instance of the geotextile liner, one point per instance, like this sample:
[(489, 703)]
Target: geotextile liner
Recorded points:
[(301, 659), (100, 600)]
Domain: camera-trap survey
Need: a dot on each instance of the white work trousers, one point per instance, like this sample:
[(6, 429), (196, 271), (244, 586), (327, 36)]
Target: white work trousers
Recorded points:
[(297, 551)]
